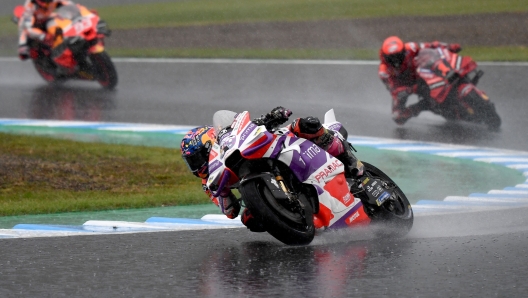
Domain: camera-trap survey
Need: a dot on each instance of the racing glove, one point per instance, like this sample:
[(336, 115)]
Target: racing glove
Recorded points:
[(273, 119), (23, 52), (229, 205), (47, 39), (280, 113), (454, 48)]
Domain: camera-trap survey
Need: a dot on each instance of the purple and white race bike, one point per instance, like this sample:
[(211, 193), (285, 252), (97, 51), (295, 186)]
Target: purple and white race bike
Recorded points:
[(293, 187)]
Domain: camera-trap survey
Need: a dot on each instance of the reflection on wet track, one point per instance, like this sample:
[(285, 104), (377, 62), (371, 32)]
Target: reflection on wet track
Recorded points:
[(70, 103), (474, 253)]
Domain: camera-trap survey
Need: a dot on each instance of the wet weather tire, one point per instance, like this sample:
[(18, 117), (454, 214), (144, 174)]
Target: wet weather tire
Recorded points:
[(396, 215), (105, 71), (279, 218), (45, 72)]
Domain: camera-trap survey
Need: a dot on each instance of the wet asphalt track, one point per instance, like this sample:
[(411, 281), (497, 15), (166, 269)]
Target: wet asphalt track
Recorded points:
[(479, 254)]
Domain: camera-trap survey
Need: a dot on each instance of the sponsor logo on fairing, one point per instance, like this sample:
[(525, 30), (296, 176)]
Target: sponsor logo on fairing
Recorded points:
[(274, 182), (312, 151), (353, 217), (382, 198), (458, 63), (328, 170), (227, 141), (335, 126), (213, 166), (436, 85), (246, 132), (347, 198)]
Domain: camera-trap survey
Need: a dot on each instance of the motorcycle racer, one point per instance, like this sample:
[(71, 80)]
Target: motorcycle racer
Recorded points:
[(397, 70), (197, 143), (195, 148), (31, 26)]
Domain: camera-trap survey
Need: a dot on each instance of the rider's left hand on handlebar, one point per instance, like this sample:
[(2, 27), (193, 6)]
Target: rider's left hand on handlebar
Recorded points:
[(280, 113), (454, 48)]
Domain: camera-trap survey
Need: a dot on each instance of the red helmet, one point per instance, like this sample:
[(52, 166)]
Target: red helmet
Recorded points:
[(42, 3), (393, 51)]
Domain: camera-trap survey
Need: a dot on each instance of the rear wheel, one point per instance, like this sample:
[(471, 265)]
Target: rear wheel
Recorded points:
[(289, 222), (105, 71), (395, 215)]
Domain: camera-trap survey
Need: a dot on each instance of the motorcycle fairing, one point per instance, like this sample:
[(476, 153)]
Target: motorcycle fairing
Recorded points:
[(439, 68), (73, 24), (313, 165), (252, 141), (434, 68), (309, 163)]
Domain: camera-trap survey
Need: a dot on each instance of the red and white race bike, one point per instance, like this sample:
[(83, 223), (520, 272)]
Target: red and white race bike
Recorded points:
[(449, 88), (293, 187), (77, 50)]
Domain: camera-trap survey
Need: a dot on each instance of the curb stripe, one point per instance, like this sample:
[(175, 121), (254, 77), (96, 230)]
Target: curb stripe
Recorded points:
[(509, 197)]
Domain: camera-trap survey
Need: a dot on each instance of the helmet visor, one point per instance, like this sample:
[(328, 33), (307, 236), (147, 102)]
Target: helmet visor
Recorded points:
[(197, 160), (44, 2), (395, 60)]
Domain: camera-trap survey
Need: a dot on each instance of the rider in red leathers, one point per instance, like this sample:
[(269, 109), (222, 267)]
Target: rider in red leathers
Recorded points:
[(397, 71), (31, 26), (197, 143)]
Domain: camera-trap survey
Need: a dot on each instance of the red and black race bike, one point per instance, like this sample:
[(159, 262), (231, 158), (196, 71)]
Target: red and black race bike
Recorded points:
[(448, 88), (77, 50)]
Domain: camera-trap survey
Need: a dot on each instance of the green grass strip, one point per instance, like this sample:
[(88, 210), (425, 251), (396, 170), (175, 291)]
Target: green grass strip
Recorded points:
[(229, 11), (44, 175), (198, 12), (510, 53)]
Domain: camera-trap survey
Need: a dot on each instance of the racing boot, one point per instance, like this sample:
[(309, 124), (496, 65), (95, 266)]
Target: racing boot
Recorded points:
[(353, 166), (251, 222)]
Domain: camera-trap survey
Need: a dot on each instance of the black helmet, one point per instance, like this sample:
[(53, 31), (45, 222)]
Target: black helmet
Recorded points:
[(42, 3)]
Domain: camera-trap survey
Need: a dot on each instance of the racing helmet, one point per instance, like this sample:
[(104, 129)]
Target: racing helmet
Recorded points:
[(195, 148), (43, 3), (393, 51)]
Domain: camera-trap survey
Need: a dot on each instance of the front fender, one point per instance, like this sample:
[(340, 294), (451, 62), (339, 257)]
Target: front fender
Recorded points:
[(270, 181)]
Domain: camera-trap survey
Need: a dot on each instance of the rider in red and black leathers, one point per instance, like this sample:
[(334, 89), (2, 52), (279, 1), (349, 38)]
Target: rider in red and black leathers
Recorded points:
[(397, 71), (31, 25)]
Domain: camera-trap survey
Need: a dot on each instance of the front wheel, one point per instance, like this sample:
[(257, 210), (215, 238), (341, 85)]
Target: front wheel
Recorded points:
[(46, 69), (484, 110), (289, 222), (395, 214), (105, 71), (490, 116)]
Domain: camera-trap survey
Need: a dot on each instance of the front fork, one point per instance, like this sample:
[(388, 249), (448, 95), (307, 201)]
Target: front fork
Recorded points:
[(298, 204)]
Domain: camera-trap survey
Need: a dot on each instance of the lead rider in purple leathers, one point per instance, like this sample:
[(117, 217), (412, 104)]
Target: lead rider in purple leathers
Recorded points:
[(197, 144)]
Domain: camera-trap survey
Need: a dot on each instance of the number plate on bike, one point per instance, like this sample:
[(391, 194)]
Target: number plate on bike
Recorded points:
[(376, 193)]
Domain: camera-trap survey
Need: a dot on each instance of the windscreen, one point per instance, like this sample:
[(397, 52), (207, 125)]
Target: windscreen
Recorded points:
[(69, 12), (427, 57), (223, 119)]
